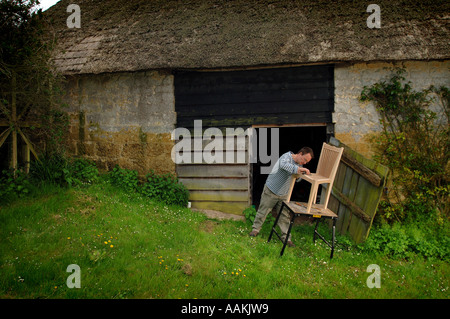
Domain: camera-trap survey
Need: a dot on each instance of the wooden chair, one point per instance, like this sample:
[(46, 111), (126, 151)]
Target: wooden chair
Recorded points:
[(326, 171), (330, 157)]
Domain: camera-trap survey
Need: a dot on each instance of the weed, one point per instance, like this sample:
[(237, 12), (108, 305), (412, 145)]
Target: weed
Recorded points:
[(82, 172), (124, 178), (165, 188), (13, 185), (250, 214)]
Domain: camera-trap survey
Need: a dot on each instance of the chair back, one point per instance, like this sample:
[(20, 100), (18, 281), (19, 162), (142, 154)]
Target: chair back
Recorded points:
[(329, 160), (327, 167)]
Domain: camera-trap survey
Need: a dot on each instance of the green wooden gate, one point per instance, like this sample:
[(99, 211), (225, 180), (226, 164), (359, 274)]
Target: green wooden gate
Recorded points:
[(356, 192)]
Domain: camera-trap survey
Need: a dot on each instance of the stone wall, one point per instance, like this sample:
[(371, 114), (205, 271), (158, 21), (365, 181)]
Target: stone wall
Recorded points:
[(356, 122), (124, 119)]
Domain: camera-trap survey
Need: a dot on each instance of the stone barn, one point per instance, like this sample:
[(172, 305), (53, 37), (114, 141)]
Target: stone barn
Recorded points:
[(268, 76)]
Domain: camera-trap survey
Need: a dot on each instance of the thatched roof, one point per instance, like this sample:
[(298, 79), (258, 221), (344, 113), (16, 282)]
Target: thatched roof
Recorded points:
[(129, 35)]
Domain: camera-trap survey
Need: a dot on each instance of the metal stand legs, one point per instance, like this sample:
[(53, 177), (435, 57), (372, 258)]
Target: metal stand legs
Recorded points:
[(316, 233)]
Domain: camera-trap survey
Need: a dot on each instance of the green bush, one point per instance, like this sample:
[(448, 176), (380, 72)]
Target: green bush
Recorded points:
[(58, 170), (82, 172), (124, 178), (55, 169), (165, 188), (249, 213), (12, 187), (50, 168), (406, 241)]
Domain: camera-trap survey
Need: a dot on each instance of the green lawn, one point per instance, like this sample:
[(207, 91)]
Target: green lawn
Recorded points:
[(130, 247)]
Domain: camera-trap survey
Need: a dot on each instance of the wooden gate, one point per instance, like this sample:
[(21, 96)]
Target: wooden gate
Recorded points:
[(356, 192)]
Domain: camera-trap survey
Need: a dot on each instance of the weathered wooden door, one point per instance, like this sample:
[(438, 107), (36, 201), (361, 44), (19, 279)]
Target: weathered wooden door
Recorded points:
[(356, 192)]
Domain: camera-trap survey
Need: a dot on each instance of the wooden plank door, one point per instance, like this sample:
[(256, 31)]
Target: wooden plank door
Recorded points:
[(222, 185), (356, 192)]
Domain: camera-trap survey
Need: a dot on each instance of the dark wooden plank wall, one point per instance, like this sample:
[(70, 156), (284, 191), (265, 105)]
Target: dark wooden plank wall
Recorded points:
[(300, 95), (255, 97)]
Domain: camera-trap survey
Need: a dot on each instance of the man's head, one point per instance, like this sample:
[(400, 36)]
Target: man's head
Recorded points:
[(304, 155)]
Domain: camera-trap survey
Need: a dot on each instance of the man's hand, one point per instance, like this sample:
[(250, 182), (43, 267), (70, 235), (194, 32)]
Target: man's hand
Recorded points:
[(302, 170)]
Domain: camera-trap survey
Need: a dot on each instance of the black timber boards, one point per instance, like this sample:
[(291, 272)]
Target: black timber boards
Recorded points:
[(294, 95)]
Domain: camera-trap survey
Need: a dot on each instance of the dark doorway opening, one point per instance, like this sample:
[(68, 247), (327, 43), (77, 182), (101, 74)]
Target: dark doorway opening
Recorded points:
[(290, 139)]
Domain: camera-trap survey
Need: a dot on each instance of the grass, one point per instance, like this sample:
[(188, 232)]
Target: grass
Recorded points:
[(130, 247)]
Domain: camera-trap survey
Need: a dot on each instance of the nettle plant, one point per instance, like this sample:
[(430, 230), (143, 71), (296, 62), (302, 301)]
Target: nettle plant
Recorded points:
[(164, 188), (414, 143)]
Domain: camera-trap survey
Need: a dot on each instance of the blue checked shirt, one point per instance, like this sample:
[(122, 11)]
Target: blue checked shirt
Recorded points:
[(279, 178)]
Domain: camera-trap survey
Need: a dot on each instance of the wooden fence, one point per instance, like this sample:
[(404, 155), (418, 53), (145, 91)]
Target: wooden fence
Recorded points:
[(356, 192)]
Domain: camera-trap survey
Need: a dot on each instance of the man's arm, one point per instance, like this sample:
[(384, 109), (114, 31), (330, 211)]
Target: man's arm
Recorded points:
[(285, 164)]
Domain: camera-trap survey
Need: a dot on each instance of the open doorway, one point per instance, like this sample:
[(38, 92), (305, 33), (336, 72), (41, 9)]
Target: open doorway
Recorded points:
[(290, 139)]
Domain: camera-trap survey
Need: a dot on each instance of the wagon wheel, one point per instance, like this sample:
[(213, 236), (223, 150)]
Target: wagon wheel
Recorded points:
[(13, 124)]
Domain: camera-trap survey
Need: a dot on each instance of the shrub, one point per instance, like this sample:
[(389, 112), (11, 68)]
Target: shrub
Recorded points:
[(58, 170), (414, 143), (249, 213), (12, 187), (50, 168), (405, 241), (82, 172), (165, 188), (124, 178)]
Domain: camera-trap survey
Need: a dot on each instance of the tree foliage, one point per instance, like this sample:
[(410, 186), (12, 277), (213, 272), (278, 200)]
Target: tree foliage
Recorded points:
[(29, 83)]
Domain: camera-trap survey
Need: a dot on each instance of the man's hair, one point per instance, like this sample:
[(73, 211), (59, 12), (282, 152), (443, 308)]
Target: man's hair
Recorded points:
[(306, 150)]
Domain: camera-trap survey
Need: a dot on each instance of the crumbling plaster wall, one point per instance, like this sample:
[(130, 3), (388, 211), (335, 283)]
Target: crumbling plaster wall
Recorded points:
[(357, 122), (124, 119)]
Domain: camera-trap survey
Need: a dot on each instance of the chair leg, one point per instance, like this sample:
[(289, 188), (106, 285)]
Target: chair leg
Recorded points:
[(327, 195), (312, 197)]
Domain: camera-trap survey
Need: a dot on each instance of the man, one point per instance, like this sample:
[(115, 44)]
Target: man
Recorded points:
[(277, 187)]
